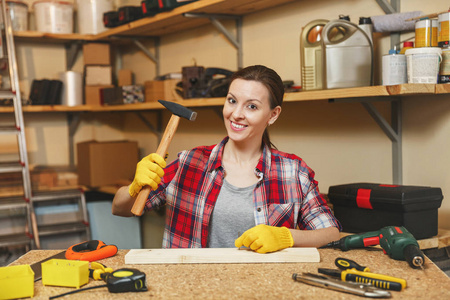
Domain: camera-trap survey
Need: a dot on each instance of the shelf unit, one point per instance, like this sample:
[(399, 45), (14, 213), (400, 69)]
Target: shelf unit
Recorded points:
[(190, 16)]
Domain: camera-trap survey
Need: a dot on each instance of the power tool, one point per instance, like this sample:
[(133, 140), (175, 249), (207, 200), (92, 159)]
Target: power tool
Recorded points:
[(396, 242)]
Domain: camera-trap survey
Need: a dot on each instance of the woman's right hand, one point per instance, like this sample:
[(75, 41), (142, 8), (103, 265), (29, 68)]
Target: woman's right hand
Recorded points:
[(148, 172)]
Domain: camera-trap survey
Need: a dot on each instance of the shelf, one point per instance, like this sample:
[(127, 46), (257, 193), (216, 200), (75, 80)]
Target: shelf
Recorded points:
[(160, 24), (319, 95)]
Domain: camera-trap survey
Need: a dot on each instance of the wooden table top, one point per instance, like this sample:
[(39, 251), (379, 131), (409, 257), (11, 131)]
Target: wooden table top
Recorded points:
[(251, 281)]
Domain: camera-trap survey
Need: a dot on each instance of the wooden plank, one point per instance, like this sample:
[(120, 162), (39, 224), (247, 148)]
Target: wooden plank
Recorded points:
[(219, 256)]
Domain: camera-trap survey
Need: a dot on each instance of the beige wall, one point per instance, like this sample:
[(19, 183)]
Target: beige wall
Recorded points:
[(340, 141)]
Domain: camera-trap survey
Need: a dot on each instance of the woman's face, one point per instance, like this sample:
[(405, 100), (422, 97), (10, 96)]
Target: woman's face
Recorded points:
[(247, 111)]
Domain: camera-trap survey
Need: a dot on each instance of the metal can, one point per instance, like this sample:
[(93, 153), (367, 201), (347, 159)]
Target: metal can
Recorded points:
[(426, 33), (444, 71), (443, 30)]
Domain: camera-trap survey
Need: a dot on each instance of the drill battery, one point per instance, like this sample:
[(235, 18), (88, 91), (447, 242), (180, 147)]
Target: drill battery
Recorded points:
[(362, 207)]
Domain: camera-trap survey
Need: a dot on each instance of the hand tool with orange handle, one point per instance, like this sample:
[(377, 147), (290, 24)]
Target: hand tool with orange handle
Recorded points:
[(177, 112)]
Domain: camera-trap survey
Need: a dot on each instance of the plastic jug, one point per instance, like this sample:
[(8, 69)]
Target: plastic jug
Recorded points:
[(311, 55), (347, 55)]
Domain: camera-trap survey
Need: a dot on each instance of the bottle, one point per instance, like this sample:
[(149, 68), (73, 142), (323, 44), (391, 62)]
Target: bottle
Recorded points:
[(406, 46), (366, 25)]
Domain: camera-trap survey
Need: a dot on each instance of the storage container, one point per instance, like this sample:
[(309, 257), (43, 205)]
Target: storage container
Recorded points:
[(18, 12), (53, 16), (362, 207), (63, 272), (16, 282), (90, 15)]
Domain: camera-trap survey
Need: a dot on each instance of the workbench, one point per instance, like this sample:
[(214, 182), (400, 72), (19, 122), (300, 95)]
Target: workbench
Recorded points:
[(251, 281)]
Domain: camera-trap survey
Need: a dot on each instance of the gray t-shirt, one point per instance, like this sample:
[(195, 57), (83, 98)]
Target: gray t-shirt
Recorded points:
[(232, 215)]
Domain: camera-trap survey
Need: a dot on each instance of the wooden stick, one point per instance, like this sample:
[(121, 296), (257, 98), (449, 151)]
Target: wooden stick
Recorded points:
[(141, 199), (429, 16)]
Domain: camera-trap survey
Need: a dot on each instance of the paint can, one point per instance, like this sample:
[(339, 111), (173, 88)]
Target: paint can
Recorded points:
[(394, 69), (444, 73), (53, 16), (90, 15), (426, 33), (18, 11), (423, 64), (443, 30)]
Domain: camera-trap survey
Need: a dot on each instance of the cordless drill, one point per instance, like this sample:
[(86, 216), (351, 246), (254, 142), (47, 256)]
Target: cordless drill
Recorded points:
[(396, 242)]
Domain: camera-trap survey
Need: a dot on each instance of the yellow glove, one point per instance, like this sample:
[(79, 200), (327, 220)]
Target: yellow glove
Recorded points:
[(148, 172), (264, 238)]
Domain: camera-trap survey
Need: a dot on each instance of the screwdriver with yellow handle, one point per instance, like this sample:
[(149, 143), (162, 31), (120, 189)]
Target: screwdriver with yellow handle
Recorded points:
[(346, 264), (377, 280)]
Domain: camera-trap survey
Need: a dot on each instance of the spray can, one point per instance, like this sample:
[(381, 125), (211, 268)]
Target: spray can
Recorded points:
[(426, 33), (394, 68)]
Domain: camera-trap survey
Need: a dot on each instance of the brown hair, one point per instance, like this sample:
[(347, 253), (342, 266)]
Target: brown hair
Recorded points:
[(272, 81)]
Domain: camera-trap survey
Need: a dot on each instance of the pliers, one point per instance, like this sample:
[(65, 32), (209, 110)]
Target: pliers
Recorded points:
[(341, 286)]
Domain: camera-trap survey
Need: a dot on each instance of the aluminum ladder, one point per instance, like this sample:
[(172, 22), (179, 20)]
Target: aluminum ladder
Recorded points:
[(31, 200), (15, 206)]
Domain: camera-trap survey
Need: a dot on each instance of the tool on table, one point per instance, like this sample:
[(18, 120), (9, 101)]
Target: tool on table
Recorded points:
[(177, 112), (90, 251), (98, 271), (378, 280), (345, 264), (37, 268), (341, 286), (396, 242), (119, 281)]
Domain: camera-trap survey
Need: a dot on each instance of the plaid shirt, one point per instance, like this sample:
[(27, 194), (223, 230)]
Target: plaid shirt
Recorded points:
[(286, 194)]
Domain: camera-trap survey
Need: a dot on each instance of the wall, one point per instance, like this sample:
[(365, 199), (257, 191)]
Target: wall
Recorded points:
[(340, 141)]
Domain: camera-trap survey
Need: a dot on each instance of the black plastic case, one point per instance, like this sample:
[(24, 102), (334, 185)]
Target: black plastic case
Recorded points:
[(362, 207)]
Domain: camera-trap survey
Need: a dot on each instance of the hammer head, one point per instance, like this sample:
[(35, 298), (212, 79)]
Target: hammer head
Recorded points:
[(179, 110)]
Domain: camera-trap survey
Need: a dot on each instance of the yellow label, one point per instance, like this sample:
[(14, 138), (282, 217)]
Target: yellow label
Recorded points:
[(424, 38), (444, 32)]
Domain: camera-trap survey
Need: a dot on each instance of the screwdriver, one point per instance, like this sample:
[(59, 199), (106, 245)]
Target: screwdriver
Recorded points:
[(345, 263), (377, 280)]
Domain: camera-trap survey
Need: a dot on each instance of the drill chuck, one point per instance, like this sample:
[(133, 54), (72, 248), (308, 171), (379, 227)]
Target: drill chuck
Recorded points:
[(414, 256)]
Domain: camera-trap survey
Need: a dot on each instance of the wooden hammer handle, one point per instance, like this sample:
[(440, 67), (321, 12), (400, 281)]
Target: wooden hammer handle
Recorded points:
[(141, 199)]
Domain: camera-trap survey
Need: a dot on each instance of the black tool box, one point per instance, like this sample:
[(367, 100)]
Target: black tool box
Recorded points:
[(153, 7), (362, 207)]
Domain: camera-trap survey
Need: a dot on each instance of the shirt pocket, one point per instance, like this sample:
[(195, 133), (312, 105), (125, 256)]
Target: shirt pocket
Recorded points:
[(283, 214)]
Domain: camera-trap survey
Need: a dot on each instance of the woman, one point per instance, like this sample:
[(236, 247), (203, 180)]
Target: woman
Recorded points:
[(241, 185)]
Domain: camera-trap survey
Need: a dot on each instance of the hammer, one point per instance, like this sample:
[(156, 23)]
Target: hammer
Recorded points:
[(177, 112)]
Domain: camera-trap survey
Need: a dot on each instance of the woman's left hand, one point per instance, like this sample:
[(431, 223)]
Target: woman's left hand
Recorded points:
[(264, 238)]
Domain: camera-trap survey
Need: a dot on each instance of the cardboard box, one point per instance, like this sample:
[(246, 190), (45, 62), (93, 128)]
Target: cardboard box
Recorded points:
[(96, 54), (161, 90), (362, 207), (122, 95), (106, 163), (98, 75), (125, 77), (92, 95)]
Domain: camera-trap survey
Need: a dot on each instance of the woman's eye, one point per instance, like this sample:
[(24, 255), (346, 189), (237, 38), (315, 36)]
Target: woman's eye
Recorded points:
[(231, 100), (252, 106)]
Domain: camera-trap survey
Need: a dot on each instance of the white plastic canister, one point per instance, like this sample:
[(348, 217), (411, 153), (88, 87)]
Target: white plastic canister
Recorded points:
[(18, 11), (90, 15), (423, 64), (53, 16)]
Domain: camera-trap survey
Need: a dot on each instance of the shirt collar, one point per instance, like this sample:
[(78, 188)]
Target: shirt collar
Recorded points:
[(262, 168)]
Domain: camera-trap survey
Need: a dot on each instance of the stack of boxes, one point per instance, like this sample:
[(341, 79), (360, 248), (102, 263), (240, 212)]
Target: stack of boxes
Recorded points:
[(97, 71)]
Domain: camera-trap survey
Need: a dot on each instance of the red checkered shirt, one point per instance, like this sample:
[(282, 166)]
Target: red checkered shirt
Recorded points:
[(286, 194)]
